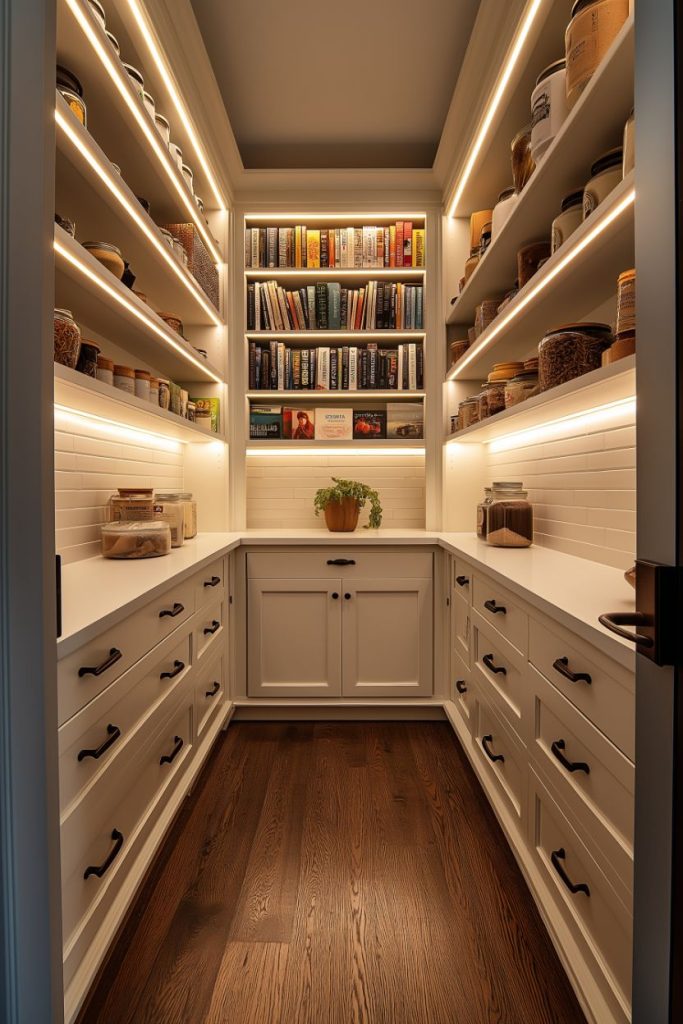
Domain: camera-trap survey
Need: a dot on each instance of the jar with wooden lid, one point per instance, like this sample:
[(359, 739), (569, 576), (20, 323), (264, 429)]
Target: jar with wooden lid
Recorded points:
[(568, 220), (105, 370), (593, 28), (510, 518), (505, 371), (124, 378), (67, 338), (524, 385), (507, 200), (108, 255), (142, 379), (132, 504), (154, 390), (172, 511), (570, 351), (606, 173), (548, 107)]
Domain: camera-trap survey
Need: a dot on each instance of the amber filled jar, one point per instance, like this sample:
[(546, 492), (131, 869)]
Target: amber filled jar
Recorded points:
[(522, 162), (570, 351), (67, 338), (626, 302), (528, 259), (108, 255), (471, 264), (510, 518)]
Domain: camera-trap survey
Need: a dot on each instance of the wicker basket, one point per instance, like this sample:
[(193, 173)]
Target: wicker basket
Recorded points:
[(199, 261)]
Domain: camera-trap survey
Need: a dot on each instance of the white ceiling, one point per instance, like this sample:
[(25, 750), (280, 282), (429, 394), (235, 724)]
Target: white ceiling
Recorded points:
[(351, 83)]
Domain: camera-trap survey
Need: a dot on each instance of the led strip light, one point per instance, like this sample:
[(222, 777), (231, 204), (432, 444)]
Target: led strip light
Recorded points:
[(342, 452), (577, 423), (66, 417)]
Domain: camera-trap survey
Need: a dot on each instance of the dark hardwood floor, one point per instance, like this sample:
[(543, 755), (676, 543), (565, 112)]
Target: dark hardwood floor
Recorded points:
[(334, 874)]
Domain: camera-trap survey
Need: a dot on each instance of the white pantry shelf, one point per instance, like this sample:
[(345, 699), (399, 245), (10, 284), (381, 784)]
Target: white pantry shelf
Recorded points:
[(385, 395), (301, 337), (409, 275), (304, 446)]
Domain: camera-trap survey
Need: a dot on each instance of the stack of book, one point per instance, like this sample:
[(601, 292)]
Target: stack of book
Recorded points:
[(396, 245), (277, 367), (400, 420), (328, 305)]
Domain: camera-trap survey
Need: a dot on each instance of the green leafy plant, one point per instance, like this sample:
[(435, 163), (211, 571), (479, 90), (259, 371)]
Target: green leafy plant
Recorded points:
[(360, 493)]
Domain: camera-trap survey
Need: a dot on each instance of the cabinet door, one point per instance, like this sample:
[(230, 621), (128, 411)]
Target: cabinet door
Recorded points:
[(387, 630), (294, 645)]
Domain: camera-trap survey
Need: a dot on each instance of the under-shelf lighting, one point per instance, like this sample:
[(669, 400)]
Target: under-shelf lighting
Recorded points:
[(119, 77), (600, 416), (320, 335), (149, 323), (329, 272), (180, 108), (501, 322), (151, 235), (353, 217), (336, 452), (66, 417)]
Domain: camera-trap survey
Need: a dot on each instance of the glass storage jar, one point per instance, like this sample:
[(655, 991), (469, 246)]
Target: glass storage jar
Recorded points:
[(471, 264), (131, 504), (163, 127), (568, 220), (521, 387), (87, 358), (495, 397), (522, 161), (142, 379), (108, 255), (470, 411), (629, 161), (114, 42), (150, 105), (457, 349), (136, 79), (570, 351), (190, 520), (105, 370), (482, 513), (154, 390), (124, 379), (606, 173), (172, 511), (98, 11), (177, 154), (136, 540), (164, 393), (510, 518), (528, 259), (67, 338)]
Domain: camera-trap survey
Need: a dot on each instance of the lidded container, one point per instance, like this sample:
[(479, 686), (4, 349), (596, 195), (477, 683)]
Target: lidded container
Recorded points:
[(626, 302), (136, 540), (163, 127), (485, 239), (188, 175), (164, 393), (568, 220), (594, 26), (108, 255), (154, 390), (67, 338), (142, 379), (87, 358), (570, 351), (132, 504), (502, 210), (470, 411), (177, 154), (548, 107), (150, 105), (105, 370), (529, 258), (482, 513), (171, 506), (522, 161), (124, 378), (523, 386), (492, 398), (190, 520), (137, 80), (509, 517), (72, 91), (98, 10), (629, 145), (606, 173)]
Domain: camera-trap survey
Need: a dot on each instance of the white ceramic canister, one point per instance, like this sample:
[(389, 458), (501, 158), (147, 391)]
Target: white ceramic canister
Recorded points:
[(177, 154), (568, 220), (548, 107), (150, 105), (502, 210), (163, 127), (606, 173)]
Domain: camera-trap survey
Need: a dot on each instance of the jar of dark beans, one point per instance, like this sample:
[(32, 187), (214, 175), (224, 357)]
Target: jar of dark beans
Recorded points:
[(509, 518), (570, 351)]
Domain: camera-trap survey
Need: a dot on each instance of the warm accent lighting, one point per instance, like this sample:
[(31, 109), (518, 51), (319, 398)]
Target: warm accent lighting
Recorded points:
[(320, 335), (527, 296), (65, 417), (579, 423), (149, 323), (341, 452), (352, 218), (484, 128), (177, 100)]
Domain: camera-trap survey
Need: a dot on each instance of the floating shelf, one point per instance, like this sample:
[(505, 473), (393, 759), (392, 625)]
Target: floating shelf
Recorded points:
[(608, 384), (304, 446), (301, 337), (335, 396), (412, 275), (350, 219)]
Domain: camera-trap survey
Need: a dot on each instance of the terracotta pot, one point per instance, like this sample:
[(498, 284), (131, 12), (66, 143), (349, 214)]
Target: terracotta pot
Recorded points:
[(342, 516)]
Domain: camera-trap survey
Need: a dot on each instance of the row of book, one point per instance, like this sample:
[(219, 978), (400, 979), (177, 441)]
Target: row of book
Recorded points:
[(328, 305), (399, 420), (397, 245), (276, 367)]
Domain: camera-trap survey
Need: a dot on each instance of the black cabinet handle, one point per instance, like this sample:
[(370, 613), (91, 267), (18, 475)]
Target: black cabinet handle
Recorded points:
[(114, 656), (168, 758), (341, 561), (462, 581), (615, 620), (99, 869), (485, 740), (557, 856), (335, 596), (178, 667), (561, 665), (214, 690), (491, 606), (172, 612), (213, 582), (113, 733), (213, 628), (347, 597), (557, 746), (496, 669), (461, 686)]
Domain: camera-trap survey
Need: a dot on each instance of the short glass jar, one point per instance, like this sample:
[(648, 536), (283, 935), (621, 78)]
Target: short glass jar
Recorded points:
[(76, 105), (510, 518), (570, 351), (67, 338), (177, 154), (124, 379), (568, 220), (606, 173), (188, 175), (98, 10), (87, 358), (171, 506), (524, 385), (108, 255), (482, 513), (471, 264), (528, 259), (131, 504), (136, 540), (522, 161)]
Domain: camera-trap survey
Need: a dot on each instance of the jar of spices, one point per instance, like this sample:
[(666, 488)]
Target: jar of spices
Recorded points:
[(507, 201), (142, 378), (605, 175), (124, 378), (136, 79), (67, 338), (570, 351), (172, 511), (190, 520), (150, 105), (510, 518), (177, 154), (482, 513), (108, 255), (164, 394), (87, 358), (626, 302), (629, 147), (163, 127), (105, 370), (154, 390), (522, 161), (568, 220), (548, 107), (528, 259), (471, 264), (524, 385), (593, 27)]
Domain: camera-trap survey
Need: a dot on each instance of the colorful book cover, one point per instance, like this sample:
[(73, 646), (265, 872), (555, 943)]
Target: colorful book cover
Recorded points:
[(405, 420), (312, 248), (265, 422), (298, 424), (333, 424), (212, 405), (369, 424)]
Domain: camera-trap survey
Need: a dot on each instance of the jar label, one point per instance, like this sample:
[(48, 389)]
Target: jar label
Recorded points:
[(540, 110), (590, 202)]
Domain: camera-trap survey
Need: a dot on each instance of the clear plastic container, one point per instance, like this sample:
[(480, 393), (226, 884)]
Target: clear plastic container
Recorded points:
[(510, 518), (171, 505), (136, 540)]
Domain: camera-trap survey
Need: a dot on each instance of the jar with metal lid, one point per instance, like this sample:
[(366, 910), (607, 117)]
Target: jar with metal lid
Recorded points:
[(177, 154), (164, 394), (108, 255), (188, 175), (510, 518), (471, 264), (507, 201), (568, 220), (570, 351), (124, 378), (492, 399), (470, 411), (172, 511), (150, 105), (482, 513), (593, 28), (548, 107), (137, 80), (87, 358), (485, 239), (105, 370), (67, 338), (136, 540), (98, 10), (629, 147), (484, 315), (522, 162), (606, 174), (524, 385), (114, 42), (163, 127), (190, 520), (142, 379)]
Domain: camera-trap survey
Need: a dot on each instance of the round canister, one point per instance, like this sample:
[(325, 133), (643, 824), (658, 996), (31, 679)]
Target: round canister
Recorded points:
[(548, 107), (568, 219), (606, 173), (502, 210), (590, 33)]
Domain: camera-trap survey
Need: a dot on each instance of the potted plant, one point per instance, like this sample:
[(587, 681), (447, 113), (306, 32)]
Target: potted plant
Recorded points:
[(343, 502)]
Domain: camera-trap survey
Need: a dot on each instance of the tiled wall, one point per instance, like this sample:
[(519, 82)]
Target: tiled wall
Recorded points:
[(280, 489)]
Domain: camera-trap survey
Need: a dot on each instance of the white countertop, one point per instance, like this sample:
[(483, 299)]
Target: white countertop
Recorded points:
[(98, 592)]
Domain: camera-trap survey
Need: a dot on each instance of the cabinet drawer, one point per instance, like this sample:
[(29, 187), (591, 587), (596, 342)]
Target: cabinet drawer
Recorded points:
[(602, 690), (502, 759), (592, 908), (461, 626), (209, 693), (328, 562), (100, 732), (210, 628), (90, 669), (462, 693), (210, 583), (500, 609), (500, 677), (462, 579)]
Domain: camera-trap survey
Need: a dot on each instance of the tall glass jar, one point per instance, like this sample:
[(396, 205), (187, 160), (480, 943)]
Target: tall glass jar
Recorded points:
[(510, 518), (172, 511), (482, 513), (190, 520)]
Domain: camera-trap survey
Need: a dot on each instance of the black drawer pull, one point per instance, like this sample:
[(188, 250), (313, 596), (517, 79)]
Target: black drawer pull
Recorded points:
[(462, 581), (561, 665), (347, 597), (557, 856), (496, 669), (557, 746), (615, 620), (113, 733), (114, 656), (492, 607), (213, 582), (213, 628), (212, 692), (100, 869), (341, 561), (172, 612), (485, 740), (461, 686), (168, 758), (335, 596), (178, 667)]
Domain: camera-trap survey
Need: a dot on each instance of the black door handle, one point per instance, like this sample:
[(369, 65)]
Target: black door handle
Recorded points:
[(168, 758), (341, 561), (114, 656), (214, 690), (213, 582), (347, 597), (335, 596), (557, 746), (485, 740), (496, 669), (491, 606), (172, 612), (615, 620), (557, 856), (462, 581), (460, 686), (178, 667), (113, 733), (561, 665), (213, 628), (100, 869)]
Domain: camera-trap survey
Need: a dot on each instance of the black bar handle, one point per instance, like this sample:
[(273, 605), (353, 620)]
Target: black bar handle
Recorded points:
[(168, 758), (172, 612), (178, 667), (213, 628), (214, 690), (615, 620), (99, 869), (97, 670), (557, 746), (341, 561), (496, 669), (462, 581), (461, 686), (557, 856), (561, 665), (335, 596), (485, 740), (491, 606), (113, 733), (213, 582)]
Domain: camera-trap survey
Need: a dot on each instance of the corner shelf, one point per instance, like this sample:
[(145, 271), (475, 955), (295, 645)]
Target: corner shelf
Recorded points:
[(385, 395)]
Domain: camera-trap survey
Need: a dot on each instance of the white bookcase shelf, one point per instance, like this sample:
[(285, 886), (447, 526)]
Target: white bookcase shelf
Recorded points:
[(300, 395)]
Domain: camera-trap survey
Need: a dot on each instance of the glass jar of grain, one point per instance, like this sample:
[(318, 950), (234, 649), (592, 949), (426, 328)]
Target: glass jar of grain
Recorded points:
[(509, 518)]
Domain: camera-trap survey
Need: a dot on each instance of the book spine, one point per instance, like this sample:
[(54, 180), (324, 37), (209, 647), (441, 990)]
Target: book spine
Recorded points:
[(257, 368), (345, 368), (418, 247), (358, 247), (251, 307), (272, 252), (304, 245), (289, 246), (297, 246), (379, 247), (399, 368), (323, 383), (387, 248), (321, 305), (392, 245), (418, 308), (412, 366), (334, 369), (252, 365), (407, 244), (312, 310), (305, 369), (353, 368), (296, 369), (343, 308), (337, 246), (273, 365), (399, 243), (247, 248), (324, 248), (372, 366), (334, 306), (420, 366), (254, 262)]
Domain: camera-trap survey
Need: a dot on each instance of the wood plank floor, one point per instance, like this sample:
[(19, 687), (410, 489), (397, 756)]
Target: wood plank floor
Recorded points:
[(323, 873)]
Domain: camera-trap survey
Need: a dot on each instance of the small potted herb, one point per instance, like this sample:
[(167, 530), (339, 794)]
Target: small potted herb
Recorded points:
[(343, 502)]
